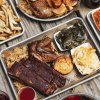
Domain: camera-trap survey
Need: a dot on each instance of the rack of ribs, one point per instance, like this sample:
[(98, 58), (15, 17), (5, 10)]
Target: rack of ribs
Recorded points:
[(37, 74), (28, 77)]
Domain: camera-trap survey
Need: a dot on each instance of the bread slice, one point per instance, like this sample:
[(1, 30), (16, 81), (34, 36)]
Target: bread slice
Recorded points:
[(85, 59), (63, 65)]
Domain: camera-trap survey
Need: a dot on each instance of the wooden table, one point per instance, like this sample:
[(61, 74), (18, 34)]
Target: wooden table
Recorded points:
[(34, 27)]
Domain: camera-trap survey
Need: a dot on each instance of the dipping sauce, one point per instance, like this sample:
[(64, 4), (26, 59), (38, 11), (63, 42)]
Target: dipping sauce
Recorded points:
[(3, 96), (72, 98), (27, 93), (77, 98)]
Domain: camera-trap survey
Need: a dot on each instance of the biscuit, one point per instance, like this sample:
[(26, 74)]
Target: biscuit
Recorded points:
[(63, 65)]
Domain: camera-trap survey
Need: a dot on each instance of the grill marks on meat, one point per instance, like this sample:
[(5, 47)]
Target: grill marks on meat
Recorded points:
[(40, 8), (41, 71), (37, 74), (29, 77), (47, 73), (43, 50)]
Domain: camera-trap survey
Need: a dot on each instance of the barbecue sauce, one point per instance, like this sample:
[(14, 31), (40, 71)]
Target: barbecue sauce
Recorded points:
[(72, 98), (27, 94), (77, 98)]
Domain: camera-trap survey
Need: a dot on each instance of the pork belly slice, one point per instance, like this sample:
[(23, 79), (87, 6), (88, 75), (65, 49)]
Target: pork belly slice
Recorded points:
[(29, 77), (47, 73)]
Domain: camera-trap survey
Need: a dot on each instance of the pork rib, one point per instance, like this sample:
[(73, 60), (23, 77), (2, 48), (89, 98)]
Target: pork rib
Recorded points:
[(29, 77), (47, 73)]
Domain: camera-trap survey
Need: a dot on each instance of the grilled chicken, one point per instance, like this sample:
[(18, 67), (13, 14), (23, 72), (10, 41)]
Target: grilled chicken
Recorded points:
[(43, 50), (41, 8)]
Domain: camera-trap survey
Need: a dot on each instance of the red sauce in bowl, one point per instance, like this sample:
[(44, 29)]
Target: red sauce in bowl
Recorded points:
[(27, 93), (96, 18), (72, 98), (78, 97)]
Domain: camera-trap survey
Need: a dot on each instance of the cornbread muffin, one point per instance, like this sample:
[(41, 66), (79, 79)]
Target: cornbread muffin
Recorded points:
[(63, 65)]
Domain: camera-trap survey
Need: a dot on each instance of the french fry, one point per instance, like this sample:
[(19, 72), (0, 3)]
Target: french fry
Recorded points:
[(2, 38), (1, 1), (8, 22)]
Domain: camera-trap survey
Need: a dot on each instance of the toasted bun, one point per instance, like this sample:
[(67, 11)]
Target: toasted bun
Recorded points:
[(63, 65)]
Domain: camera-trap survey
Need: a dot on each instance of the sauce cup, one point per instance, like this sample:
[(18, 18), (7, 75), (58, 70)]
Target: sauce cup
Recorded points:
[(27, 93)]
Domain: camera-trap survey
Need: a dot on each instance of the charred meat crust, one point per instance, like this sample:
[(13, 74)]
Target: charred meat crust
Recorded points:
[(41, 9), (34, 70), (43, 50), (37, 74), (48, 72), (29, 77)]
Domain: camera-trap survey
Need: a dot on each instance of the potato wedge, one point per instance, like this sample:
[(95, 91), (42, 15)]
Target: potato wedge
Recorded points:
[(1, 1), (56, 3), (63, 65), (70, 3), (60, 11), (49, 2)]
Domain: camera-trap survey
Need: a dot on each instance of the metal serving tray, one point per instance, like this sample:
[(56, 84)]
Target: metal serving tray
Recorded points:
[(91, 22), (20, 23), (46, 19), (74, 78)]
